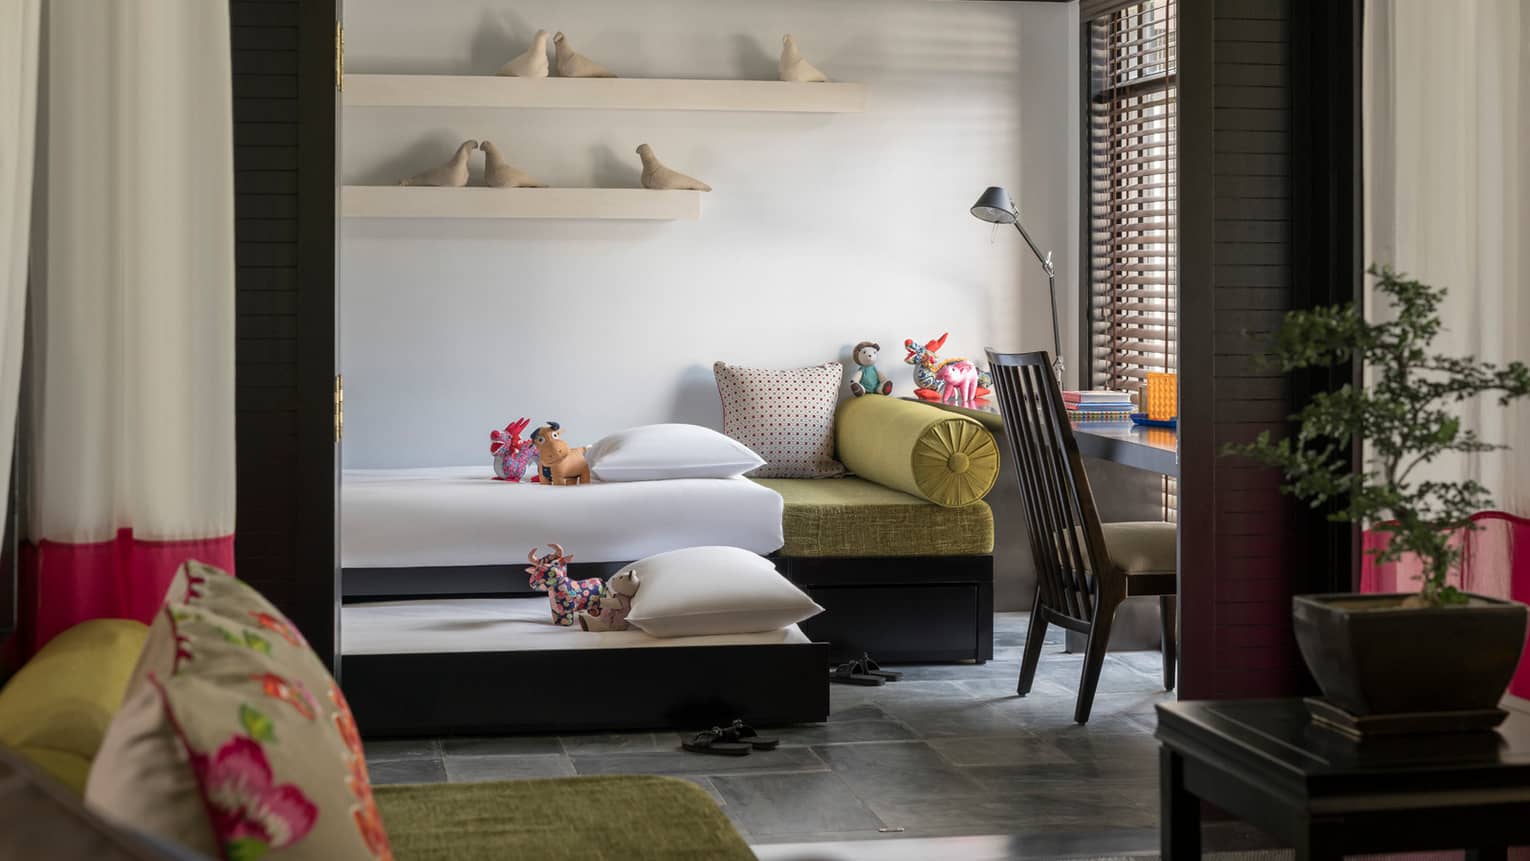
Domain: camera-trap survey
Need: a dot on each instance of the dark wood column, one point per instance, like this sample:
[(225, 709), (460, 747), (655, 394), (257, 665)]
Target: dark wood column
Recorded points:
[(1268, 216)]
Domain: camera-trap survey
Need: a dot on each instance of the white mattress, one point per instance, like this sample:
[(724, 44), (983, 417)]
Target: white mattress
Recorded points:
[(401, 518), (501, 625)]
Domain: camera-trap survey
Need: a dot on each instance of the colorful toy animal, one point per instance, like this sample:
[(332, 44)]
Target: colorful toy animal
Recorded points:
[(615, 604), (868, 379), (950, 381), (567, 598), (559, 464), (512, 455)]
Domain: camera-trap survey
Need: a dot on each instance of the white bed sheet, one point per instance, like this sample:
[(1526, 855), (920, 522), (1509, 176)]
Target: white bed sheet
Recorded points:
[(402, 518), (501, 625)]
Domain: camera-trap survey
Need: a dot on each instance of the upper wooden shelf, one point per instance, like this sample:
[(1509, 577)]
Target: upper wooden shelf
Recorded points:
[(652, 94)]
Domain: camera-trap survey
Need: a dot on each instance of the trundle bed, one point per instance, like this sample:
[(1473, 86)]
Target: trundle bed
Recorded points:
[(442, 634)]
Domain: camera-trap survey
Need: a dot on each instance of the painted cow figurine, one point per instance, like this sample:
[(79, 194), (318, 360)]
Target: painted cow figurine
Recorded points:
[(950, 381), (556, 462), (567, 598)]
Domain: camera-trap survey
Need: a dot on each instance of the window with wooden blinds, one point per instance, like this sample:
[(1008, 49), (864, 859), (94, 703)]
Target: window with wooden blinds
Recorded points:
[(1133, 324)]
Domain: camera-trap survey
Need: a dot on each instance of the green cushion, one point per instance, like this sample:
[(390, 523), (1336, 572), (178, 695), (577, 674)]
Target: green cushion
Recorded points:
[(855, 517), (55, 710), (567, 818), (934, 454)]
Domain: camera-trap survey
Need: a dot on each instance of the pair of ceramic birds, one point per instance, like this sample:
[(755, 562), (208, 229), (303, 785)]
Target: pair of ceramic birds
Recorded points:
[(572, 64), (497, 173)]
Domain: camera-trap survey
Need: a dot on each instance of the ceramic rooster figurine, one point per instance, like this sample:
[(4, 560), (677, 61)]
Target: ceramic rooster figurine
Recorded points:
[(512, 455), (950, 381)]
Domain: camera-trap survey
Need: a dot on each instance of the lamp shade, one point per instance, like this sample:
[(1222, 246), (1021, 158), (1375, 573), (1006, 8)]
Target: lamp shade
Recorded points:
[(994, 206)]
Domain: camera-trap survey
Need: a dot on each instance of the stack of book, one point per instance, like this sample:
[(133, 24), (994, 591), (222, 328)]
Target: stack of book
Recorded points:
[(1100, 405)]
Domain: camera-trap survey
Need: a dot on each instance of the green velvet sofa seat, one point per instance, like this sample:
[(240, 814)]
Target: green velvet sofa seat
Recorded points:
[(853, 517), (624, 817), (900, 552)]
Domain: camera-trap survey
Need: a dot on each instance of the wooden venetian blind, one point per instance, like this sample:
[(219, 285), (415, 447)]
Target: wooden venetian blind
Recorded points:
[(1133, 320)]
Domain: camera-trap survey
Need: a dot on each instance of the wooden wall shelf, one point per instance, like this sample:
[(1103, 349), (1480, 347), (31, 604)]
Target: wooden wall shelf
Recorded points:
[(392, 201), (654, 94)]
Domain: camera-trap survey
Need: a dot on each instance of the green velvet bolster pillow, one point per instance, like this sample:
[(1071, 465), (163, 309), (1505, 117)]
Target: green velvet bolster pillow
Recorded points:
[(948, 459)]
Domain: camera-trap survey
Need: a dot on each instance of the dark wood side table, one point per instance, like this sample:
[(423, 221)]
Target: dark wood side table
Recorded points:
[(1326, 796)]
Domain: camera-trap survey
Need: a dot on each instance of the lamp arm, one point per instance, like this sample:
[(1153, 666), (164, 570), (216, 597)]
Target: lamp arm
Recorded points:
[(1046, 264)]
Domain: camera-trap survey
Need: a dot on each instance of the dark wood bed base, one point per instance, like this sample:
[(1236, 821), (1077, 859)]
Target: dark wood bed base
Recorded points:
[(901, 609), (679, 687)]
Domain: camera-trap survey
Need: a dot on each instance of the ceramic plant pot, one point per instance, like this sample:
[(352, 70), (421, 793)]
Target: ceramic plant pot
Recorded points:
[(1377, 659)]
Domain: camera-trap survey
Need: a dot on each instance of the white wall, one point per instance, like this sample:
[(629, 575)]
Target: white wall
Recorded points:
[(823, 229)]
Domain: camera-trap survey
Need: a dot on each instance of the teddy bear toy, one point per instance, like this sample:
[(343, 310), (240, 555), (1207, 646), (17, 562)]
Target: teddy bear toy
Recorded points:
[(556, 462), (567, 598), (868, 379), (615, 604)]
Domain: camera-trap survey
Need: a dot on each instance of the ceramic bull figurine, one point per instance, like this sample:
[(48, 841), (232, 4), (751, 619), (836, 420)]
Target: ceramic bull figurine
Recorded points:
[(556, 462)]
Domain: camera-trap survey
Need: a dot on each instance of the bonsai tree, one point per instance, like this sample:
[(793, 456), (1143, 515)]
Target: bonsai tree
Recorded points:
[(1404, 415)]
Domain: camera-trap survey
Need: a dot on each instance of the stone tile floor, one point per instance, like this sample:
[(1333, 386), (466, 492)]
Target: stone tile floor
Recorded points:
[(948, 750)]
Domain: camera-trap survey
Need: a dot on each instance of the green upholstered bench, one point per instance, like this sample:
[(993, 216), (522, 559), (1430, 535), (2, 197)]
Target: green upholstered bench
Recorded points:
[(900, 554), (626, 816)]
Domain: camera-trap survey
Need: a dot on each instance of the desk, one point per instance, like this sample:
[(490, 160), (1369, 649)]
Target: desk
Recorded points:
[(1146, 448), (1264, 762)]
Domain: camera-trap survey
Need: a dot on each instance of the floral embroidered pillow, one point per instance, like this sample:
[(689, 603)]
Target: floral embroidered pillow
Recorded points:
[(234, 739)]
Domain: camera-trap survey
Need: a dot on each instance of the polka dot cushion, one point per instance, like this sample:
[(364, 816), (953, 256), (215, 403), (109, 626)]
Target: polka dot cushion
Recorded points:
[(786, 417)]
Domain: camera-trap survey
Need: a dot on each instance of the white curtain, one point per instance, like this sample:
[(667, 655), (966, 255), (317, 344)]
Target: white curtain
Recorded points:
[(133, 378), (19, 29), (1447, 155), (131, 362)]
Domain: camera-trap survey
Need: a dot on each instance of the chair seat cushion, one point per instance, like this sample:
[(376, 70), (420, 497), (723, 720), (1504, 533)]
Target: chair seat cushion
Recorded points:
[(851, 517), (566, 818), (1142, 547)]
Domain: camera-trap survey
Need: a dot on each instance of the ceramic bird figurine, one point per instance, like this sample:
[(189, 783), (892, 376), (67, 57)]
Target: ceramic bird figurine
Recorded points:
[(572, 64), (657, 176), (531, 64), (454, 173), (793, 67), (498, 174)]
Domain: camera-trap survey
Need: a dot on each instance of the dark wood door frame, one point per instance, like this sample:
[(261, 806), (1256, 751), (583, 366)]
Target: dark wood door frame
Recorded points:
[(318, 507)]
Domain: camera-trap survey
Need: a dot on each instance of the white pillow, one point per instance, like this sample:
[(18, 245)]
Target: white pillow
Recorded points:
[(655, 452), (714, 590)]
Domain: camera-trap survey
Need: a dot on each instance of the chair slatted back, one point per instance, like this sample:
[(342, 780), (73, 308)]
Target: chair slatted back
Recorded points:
[(1066, 539)]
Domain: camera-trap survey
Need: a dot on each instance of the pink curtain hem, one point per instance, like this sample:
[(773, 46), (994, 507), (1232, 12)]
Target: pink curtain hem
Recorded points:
[(64, 584), (1495, 561)]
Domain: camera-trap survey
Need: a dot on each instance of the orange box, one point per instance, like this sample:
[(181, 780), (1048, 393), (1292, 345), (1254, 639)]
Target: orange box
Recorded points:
[(1162, 396)]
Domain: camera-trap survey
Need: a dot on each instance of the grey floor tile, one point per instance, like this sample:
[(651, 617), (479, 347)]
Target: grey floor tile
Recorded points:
[(506, 745), (839, 732), (1038, 809), (626, 742), (470, 769), (418, 769), (906, 770), (679, 762), (864, 711), (1024, 750), (403, 748), (995, 669), (706, 784), (777, 804)]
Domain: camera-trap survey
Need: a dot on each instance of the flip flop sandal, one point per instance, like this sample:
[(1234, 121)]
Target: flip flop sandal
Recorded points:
[(850, 674), (716, 742), (872, 668), (745, 733)]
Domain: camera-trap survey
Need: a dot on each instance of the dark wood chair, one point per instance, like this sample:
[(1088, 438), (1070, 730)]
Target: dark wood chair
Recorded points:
[(1084, 569)]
